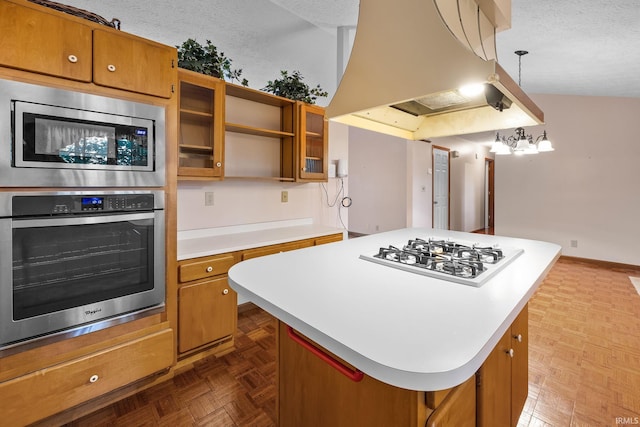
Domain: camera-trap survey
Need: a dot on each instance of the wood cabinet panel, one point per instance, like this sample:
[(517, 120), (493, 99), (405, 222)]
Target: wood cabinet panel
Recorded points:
[(201, 268), (41, 42), (327, 239), (458, 409), (503, 378), (519, 364), (207, 312), (274, 249), (131, 63), (312, 393), (51, 390)]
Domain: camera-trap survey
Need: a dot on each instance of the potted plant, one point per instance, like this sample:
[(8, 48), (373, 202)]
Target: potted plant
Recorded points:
[(292, 87), (207, 60)]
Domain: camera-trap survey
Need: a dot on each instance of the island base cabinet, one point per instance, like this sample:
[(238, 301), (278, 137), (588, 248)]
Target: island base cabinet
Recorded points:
[(48, 391), (502, 380), (313, 393)]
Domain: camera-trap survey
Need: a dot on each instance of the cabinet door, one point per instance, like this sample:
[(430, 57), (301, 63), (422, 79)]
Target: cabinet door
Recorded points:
[(207, 311), (127, 62), (494, 386), (458, 409), (519, 364), (201, 125), (312, 134), (37, 41)]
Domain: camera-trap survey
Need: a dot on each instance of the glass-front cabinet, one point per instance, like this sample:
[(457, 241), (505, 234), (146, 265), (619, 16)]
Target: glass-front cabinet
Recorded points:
[(201, 126), (312, 135)]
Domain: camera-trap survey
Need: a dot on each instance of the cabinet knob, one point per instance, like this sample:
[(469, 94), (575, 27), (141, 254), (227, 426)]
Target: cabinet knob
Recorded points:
[(72, 58), (94, 378), (219, 164), (209, 269), (510, 352), (111, 67), (518, 337), (225, 292)]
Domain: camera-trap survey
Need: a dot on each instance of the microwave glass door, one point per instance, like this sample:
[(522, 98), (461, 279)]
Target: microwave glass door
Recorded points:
[(59, 137), (60, 264)]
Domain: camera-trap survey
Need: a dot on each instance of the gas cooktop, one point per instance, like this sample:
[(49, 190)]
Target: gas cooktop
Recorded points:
[(456, 261)]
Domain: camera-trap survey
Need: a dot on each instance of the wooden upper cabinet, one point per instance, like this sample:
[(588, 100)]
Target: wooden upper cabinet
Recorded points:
[(200, 126), (312, 136), (41, 42), (131, 63)]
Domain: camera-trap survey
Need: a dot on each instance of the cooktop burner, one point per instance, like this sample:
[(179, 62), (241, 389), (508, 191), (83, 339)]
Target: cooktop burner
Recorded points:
[(456, 261)]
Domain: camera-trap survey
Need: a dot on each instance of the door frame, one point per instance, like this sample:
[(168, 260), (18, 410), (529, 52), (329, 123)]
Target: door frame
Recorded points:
[(448, 150), (489, 188)]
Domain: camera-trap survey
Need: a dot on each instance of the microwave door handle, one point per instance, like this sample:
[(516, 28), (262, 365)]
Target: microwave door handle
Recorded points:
[(80, 220)]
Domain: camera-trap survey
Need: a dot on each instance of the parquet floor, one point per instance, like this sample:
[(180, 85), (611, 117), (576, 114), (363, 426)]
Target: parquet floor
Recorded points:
[(584, 337)]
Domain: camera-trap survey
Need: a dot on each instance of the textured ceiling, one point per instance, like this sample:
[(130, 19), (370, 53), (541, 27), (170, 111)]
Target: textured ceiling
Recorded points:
[(576, 47)]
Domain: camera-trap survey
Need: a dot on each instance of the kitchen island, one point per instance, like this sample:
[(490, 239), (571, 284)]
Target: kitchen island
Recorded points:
[(404, 331)]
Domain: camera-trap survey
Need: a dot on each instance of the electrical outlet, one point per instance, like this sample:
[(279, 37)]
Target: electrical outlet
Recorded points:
[(208, 198), (574, 243), (284, 196)]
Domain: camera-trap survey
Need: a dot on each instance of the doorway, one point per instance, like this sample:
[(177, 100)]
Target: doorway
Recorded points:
[(440, 184), (489, 204)]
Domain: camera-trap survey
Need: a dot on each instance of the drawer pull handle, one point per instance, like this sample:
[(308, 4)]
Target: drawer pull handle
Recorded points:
[(518, 337), (111, 67), (209, 269), (72, 58), (94, 378), (225, 292), (354, 375)]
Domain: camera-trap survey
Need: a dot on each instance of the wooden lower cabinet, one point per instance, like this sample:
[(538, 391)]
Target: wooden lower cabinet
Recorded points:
[(503, 378), (47, 391), (312, 393), (207, 313)]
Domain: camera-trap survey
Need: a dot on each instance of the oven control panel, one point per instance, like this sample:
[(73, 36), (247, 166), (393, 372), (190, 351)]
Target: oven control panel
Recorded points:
[(73, 204)]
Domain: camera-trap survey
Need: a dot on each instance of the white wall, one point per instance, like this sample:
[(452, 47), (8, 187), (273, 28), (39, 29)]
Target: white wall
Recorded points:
[(378, 184), (586, 190)]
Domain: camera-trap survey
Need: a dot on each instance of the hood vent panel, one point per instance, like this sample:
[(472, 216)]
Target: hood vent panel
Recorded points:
[(408, 86)]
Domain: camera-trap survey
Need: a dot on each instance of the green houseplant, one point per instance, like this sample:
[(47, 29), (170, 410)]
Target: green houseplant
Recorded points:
[(292, 87), (206, 59)]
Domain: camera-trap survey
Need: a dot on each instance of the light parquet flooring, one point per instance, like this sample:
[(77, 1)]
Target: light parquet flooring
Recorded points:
[(584, 347)]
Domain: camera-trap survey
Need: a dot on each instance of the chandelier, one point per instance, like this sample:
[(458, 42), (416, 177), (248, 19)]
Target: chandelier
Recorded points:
[(520, 143)]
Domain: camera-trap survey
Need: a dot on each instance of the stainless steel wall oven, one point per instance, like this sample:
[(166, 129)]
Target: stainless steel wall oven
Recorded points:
[(60, 138), (75, 258)]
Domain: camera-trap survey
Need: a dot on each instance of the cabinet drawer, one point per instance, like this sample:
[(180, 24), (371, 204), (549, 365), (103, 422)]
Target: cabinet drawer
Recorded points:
[(205, 267), (51, 390), (274, 249), (328, 239)]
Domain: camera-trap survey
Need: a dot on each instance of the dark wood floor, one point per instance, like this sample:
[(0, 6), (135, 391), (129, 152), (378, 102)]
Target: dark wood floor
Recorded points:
[(584, 342)]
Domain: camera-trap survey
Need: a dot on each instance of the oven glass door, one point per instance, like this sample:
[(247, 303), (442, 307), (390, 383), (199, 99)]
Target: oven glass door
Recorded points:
[(68, 138), (64, 263)]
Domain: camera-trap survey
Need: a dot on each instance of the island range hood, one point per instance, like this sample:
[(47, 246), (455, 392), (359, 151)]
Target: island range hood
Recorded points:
[(409, 61)]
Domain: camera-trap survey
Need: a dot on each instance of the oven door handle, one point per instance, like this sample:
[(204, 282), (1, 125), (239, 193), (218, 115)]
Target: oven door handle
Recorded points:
[(80, 220)]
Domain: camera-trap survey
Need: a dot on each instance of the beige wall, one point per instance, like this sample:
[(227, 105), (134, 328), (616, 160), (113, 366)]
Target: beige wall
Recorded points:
[(586, 190)]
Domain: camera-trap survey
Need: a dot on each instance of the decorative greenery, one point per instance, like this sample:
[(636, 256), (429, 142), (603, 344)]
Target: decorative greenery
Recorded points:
[(292, 87), (206, 60)]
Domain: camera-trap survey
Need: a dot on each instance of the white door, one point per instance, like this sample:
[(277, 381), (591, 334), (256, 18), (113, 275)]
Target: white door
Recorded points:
[(440, 189)]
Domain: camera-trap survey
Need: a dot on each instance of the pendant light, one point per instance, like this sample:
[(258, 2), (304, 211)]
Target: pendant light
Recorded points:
[(521, 143)]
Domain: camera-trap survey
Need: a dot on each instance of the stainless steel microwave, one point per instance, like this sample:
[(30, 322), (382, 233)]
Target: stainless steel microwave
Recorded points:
[(60, 138)]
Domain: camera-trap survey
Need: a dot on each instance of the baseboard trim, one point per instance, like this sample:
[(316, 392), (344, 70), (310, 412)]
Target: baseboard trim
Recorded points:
[(607, 264)]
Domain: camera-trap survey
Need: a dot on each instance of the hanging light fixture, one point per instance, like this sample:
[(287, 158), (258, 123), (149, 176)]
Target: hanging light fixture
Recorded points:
[(521, 143)]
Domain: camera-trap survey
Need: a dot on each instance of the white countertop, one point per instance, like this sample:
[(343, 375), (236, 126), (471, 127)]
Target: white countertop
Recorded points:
[(402, 328), (213, 241)]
